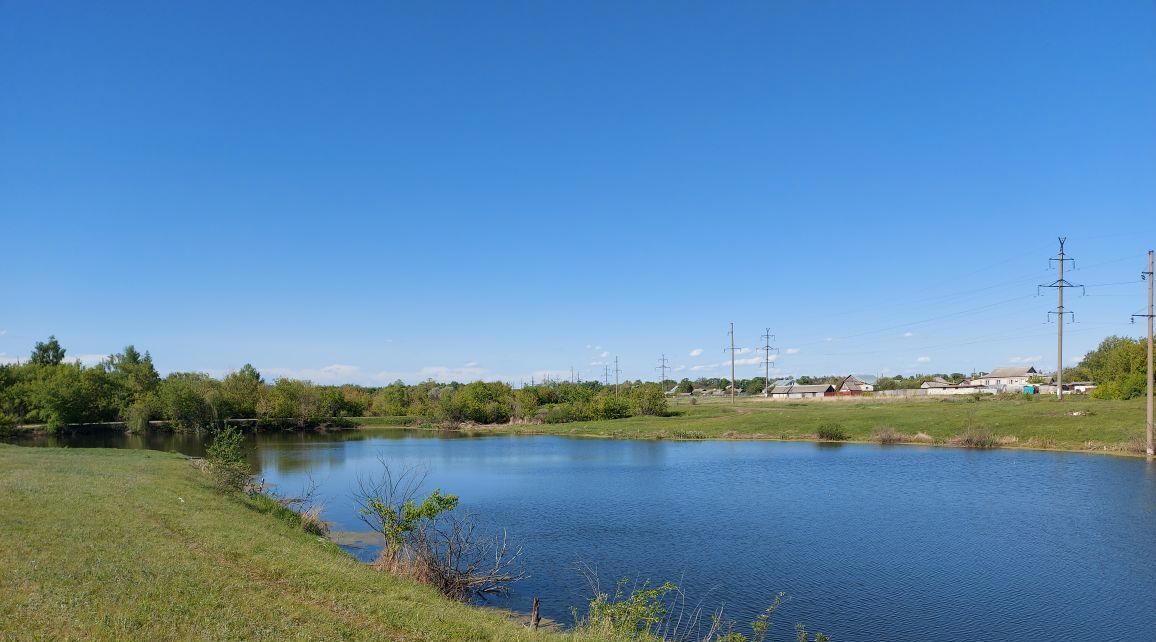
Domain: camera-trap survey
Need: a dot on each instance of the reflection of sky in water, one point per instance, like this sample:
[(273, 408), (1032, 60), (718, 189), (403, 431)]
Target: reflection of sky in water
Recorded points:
[(906, 543), (897, 543)]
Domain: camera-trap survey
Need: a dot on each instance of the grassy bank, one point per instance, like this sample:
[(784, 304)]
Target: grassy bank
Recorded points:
[(129, 544), (1077, 423)]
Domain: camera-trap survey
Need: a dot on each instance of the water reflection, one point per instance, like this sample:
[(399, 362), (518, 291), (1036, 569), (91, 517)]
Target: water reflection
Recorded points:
[(900, 543)]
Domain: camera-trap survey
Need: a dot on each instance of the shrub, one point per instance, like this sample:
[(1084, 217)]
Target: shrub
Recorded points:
[(977, 438), (833, 432), (888, 435), (226, 458)]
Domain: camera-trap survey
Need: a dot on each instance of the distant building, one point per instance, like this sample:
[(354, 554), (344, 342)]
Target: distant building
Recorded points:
[(852, 385), (1081, 386), (802, 392), (940, 386), (1005, 379)]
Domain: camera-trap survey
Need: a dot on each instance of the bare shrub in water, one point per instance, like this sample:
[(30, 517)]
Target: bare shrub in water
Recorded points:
[(425, 539)]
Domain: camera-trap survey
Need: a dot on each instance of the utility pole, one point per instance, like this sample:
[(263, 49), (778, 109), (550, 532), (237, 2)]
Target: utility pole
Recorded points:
[(1147, 276), (767, 361), (606, 375), (734, 386), (662, 366), (616, 371), (1060, 284)]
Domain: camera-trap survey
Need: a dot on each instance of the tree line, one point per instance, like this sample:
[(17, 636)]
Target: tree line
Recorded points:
[(126, 387)]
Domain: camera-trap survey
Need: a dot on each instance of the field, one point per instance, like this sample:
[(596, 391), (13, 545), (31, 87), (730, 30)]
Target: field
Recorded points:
[(131, 544), (1077, 423)]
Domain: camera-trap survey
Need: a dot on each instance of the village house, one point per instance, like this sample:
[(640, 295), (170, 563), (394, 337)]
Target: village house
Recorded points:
[(852, 385), (802, 392), (1006, 379), (940, 386)]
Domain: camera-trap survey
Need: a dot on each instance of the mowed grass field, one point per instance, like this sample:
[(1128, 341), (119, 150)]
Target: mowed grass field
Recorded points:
[(137, 545), (1079, 422)]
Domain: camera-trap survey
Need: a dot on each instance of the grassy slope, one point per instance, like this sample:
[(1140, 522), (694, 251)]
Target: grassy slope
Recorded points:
[(1041, 422), (123, 544)]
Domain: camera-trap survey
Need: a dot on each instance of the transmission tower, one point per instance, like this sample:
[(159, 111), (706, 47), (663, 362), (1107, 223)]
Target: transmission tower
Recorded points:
[(616, 373), (1059, 284), (663, 365), (606, 375), (767, 348)]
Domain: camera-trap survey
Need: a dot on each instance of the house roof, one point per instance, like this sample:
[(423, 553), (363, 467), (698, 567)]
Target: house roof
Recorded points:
[(851, 382), (1013, 371)]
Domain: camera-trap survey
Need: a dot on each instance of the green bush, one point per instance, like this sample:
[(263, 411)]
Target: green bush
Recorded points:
[(833, 432), (225, 455)]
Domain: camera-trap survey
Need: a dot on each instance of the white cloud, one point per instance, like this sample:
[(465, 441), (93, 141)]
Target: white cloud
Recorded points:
[(749, 361), (792, 351), (1027, 359), (3, 332), (471, 364), (7, 358), (908, 334), (86, 359), (923, 360), (696, 352), (742, 350), (704, 366), (829, 339), (597, 347), (604, 355)]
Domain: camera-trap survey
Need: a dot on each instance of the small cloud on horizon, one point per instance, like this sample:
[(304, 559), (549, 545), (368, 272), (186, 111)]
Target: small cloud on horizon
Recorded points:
[(696, 352), (908, 334), (923, 360), (604, 355), (792, 351), (1028, 359)]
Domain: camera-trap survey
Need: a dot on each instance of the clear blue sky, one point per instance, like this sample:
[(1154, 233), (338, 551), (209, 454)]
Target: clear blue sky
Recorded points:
[(365, 191)]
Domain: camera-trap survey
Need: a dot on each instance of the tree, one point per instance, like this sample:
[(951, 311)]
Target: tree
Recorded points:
[(685, 386), (47, 353)]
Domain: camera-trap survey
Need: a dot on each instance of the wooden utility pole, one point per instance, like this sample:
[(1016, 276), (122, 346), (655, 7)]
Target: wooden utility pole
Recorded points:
[(1151, 314)]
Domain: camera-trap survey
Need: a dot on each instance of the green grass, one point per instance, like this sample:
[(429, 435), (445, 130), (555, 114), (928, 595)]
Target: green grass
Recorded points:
[(133, 544), (1041, 422)]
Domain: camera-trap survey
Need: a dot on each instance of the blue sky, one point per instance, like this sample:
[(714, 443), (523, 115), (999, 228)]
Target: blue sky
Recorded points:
[(467, 190)]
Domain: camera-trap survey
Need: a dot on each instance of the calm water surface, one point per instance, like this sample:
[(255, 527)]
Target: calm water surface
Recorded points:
[(869, 542)]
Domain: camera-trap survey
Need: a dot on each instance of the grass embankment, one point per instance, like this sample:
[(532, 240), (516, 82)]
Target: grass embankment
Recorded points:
[(134, 544), (1077, 423)]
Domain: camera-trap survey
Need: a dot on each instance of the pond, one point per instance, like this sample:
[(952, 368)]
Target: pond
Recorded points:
[(902, 543)]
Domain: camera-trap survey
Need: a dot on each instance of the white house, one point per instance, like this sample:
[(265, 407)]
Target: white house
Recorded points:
[(1003, 379)]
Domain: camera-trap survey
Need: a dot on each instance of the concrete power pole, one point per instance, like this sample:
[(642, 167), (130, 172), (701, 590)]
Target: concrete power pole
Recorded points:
[(767, 362), (734, 385), (1151, 314), (1060, 284)]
